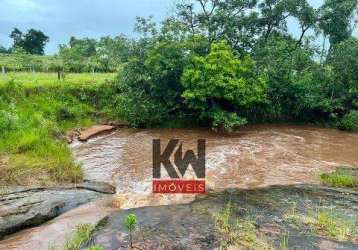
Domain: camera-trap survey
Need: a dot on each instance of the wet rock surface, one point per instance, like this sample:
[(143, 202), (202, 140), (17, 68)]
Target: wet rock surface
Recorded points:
[(95, 131), (23, 207), (192, 226)]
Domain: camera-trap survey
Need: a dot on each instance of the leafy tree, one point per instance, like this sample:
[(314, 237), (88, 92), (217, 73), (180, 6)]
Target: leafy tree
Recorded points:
[(4, 50), (17, 36), (335, 19), (231, 20), (77, 56), (344, 60), (87, 55), (217, 85), (33, 42), (152, 75), (85, 47), (297, 86)]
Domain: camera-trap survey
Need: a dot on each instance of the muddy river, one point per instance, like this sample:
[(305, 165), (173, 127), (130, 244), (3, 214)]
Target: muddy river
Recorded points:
[(255, 156)]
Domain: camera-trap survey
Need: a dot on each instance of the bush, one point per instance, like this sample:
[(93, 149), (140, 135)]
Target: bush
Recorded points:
[(350, 121), (137, 108), (218, 85)]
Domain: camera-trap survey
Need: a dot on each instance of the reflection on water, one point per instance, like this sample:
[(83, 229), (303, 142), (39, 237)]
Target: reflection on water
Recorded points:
[(255, 156)]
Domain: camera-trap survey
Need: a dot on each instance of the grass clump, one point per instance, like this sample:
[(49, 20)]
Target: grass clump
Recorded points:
[(80, 237), (237, 232), (325, 223), (340, 178), (330, 224)]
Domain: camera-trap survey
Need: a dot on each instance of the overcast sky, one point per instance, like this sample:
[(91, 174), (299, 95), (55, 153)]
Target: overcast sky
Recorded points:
[(61, 19)]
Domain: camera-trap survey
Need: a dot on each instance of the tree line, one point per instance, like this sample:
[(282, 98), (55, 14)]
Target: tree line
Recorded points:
[(79, 55), (225, 63)]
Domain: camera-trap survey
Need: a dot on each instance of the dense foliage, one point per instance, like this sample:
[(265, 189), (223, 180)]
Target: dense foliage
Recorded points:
[(228, 62), (219, 84), (224, 63)]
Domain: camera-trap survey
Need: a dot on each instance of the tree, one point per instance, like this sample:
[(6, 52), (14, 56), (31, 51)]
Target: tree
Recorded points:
[(297, 86), (335, 18), (33, 42), (17, 36), (218, 85), (4, 50), (344, 60)]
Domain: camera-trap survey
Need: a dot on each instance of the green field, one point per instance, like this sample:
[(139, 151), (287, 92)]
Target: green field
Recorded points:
[(44, 79)]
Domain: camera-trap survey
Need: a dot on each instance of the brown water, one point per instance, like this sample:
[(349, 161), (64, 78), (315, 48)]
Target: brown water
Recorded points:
[(254, 157)]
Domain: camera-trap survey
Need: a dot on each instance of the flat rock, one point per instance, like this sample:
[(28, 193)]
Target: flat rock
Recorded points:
[(94, 131), (100, 187), (192, 226), (23, 207)]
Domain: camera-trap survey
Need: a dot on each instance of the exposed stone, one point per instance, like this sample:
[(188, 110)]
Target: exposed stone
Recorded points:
[(96, 186), (23, 207), (191, 226), (94, 131)]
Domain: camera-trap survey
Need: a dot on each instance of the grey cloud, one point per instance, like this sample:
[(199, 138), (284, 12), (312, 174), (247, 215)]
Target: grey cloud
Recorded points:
[(81, 18), (61, 19)]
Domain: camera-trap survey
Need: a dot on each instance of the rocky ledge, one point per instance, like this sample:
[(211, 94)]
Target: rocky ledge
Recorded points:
[(275, 212), (23, 207)]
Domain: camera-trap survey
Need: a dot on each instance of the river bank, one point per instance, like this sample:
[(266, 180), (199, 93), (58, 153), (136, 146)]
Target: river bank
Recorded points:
[(255, 157)]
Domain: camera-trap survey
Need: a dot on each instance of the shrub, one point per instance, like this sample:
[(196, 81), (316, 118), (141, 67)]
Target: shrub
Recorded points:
[(350, 121), (137, 108), (219, 84)]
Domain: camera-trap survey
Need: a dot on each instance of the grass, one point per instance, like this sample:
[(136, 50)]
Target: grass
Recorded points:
[(284, 243), (34, 117), (81, 236), (340, 178), (237, 232), (324, 222), (50, 79)]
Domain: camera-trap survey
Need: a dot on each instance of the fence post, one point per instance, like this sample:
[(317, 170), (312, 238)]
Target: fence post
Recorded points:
[(3, 70)]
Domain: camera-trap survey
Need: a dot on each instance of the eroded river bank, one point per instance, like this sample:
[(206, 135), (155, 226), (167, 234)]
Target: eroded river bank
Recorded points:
[(254, 157)]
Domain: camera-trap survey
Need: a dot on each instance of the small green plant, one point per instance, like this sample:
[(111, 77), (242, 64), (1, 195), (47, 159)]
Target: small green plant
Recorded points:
[(340, 178), (131, 222)]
